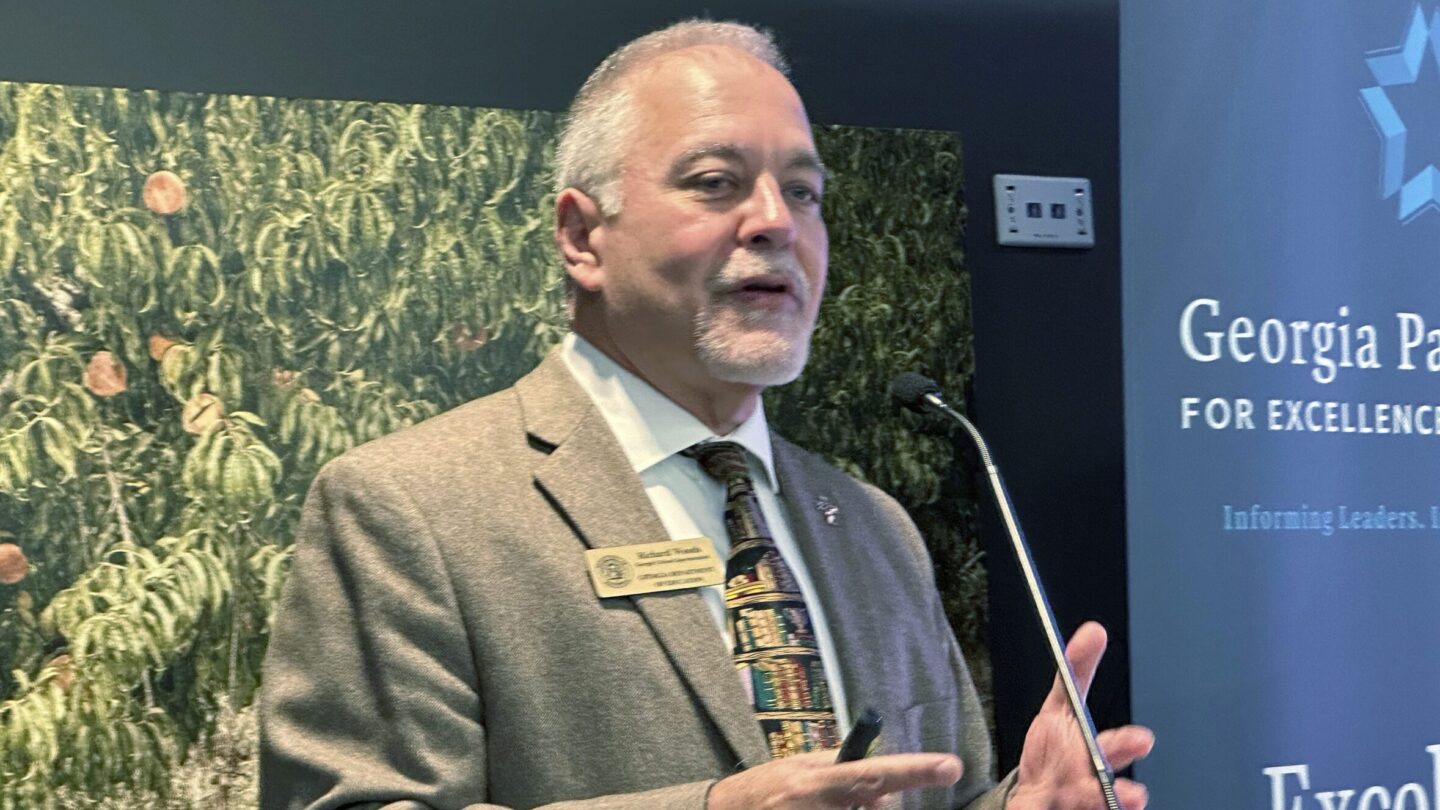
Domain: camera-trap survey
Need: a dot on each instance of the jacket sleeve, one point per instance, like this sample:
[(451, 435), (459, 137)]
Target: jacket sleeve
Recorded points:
[(371, 694), (976, 790), (996, 797), (976, 750)]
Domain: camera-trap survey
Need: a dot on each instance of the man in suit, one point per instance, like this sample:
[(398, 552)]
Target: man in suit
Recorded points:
[(442, 641)]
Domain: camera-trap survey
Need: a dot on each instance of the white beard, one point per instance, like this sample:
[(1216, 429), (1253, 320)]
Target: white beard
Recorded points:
[(754, 346)]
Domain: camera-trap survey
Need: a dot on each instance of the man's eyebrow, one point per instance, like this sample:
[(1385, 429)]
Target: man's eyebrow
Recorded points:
[(724, 151), (806, 159)]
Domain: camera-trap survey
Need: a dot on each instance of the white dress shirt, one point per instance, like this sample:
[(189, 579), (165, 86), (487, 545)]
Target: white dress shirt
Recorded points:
[(652, 430)]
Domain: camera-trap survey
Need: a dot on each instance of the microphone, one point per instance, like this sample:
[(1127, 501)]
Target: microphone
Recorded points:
[(923, 395)]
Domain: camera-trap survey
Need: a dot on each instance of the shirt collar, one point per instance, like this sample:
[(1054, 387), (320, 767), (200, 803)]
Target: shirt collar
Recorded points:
[(649, 426)]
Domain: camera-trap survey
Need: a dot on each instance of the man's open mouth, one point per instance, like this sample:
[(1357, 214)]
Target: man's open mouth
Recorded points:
[(768, 283)]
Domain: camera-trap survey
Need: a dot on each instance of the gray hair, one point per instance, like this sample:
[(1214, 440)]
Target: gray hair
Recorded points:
[(601, 120)]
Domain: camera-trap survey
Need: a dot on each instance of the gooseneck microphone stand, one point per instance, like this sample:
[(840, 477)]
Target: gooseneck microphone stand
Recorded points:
[(921, 394)]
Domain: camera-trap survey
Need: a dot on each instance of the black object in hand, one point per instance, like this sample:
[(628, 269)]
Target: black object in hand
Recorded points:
[(861, 737)]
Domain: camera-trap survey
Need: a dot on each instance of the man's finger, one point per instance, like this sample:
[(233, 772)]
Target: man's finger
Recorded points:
[(856, 783), (1132, 794), (1122, 746), (1084, 652)]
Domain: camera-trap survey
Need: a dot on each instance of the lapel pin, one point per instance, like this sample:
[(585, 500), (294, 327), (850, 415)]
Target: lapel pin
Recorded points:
[(828, 509)]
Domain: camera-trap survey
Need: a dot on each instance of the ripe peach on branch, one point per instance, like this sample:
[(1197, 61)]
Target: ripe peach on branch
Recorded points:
[(13, 565), (164, 193), (105, 375)]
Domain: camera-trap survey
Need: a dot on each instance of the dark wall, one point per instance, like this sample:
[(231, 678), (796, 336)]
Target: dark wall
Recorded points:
[(1040, 95), (1032, 85)]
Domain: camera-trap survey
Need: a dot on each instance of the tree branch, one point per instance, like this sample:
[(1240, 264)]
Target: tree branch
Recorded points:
[(117, 505)]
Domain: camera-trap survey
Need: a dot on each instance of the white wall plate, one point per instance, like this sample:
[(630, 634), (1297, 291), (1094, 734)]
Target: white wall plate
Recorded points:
[(1035, 211)]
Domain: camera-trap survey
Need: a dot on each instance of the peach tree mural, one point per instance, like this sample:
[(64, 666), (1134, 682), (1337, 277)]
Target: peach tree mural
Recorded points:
[(205, 298)]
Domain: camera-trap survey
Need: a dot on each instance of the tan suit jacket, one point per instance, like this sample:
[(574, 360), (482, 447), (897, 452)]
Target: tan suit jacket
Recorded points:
[(439, 643)]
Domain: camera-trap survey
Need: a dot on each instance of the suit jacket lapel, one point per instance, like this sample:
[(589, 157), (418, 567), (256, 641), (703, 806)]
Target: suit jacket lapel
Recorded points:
[(830, 560), (591, 482)]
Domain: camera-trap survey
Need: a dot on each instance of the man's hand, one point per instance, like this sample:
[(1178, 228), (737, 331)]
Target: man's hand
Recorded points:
[(816, 781), (1055, 769)]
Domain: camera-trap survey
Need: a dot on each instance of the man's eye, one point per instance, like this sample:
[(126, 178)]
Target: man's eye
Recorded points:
[(805, 193), (713, 183)]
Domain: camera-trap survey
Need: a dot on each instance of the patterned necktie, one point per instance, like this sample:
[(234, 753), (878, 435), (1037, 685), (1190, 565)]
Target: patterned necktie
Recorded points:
[(775, 649)]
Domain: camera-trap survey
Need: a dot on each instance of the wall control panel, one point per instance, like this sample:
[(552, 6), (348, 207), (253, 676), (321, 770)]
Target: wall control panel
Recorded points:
[(1035, 211)]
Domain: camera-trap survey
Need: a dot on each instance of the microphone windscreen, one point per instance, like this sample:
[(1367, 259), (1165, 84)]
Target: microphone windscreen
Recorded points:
[(909, 389)]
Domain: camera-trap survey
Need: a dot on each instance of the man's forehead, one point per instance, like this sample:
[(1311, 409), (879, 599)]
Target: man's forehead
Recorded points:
[(799, 158), (698, 93)]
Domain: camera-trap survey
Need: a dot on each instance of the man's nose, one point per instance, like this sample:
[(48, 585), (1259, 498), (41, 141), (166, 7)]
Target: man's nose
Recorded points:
[(768, 220)]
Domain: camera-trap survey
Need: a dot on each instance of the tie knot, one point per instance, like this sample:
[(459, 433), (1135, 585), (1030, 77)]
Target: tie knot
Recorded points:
[(722, 460)]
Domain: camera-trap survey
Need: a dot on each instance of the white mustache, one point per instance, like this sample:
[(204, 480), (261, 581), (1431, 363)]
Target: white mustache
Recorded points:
[(743, 266)]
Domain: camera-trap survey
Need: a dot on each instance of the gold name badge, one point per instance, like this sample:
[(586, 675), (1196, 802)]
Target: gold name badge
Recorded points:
[(669, 565)]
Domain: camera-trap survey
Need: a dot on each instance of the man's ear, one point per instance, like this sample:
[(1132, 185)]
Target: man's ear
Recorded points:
[(580, 236)]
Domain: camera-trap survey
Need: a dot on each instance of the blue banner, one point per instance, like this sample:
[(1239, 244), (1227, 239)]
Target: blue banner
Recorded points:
[(1281, 249)]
